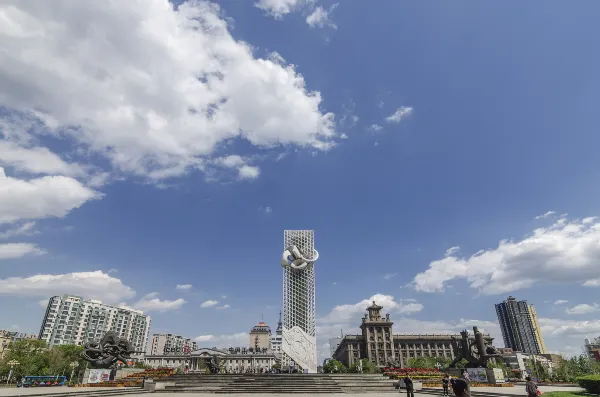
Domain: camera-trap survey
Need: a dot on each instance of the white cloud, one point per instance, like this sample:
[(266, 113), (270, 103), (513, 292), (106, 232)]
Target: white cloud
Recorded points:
[(582, 308), (560, 302), (153, 89), (90, 285), (321, 17), (223, 341), (223, 307), (17, 250), (375, 128), (184, 286), (36, 160), (389, 275), (151, 303), (25, 229), (565, 252), (48, 196), (546, 215), (400, 114), (43, 303), (209, 303), (353, 312), (248, 172), (278, 8)]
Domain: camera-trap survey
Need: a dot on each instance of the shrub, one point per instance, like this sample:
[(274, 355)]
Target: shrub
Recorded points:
[(591, 383)]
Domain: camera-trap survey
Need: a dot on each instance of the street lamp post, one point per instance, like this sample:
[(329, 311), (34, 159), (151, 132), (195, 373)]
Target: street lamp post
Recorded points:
[(12, 364)]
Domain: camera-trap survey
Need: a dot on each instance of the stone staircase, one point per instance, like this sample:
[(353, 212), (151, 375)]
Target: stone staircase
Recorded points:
[(279, 383)]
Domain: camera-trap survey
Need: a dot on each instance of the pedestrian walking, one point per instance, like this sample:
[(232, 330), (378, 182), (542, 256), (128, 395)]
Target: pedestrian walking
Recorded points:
[(531, 388), (408, 383), (445, 384)]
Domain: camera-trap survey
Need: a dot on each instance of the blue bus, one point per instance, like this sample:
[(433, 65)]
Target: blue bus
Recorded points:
[(42, 381)]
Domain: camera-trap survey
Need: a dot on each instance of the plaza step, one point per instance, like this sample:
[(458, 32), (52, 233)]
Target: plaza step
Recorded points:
[(280, 383), (88, 392)]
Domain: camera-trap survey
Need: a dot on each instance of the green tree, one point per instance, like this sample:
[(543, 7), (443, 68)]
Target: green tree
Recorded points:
[(428, 362), (367, 367), (334, 367), (32, 356)]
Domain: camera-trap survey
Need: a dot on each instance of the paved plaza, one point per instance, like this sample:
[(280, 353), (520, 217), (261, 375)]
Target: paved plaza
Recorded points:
[(506, 391)]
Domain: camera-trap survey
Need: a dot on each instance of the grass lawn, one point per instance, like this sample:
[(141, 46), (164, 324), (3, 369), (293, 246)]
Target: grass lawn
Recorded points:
[(566, 394)]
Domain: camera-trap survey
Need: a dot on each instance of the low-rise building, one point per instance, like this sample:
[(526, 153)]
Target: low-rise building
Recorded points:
[(8, 337), (526, 364), (592, 348), (230, 360), (379, 345)]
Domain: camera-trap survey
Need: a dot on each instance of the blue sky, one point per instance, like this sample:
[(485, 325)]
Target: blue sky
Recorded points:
[(146, 145)]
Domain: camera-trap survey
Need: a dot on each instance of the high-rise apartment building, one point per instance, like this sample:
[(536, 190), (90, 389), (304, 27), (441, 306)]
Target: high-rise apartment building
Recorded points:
[(519, 326), (170, 344), (72, 320)]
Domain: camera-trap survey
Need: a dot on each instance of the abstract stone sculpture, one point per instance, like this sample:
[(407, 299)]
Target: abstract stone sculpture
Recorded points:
[(476, 353), (108, 352)]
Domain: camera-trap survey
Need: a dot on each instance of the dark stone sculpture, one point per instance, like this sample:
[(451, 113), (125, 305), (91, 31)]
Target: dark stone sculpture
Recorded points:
[(476, 353), (108, 352), (213, 365)]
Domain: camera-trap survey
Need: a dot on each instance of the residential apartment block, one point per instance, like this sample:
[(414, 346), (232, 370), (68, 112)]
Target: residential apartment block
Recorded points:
[(520, 328), (170, 344), (72, 320)]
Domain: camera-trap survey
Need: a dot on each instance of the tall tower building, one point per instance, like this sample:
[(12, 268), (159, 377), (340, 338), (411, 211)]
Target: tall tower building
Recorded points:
[(71, 320), (299, 345), (519, 326)]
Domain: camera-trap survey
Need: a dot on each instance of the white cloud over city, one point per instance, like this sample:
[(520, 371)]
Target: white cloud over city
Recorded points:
[(152, 89), (566, 251), (90, 285)]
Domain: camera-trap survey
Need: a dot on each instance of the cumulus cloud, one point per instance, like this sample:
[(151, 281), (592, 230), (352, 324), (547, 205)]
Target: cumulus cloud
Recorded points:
[(48, 196), (279, 8), (583, 308), (184, 286), (209, 303), (17, 250), (321, 17), (151, 303), (400, 114), (155, 89), (36, 160), (90, 285), (564, 252), (348, 312)]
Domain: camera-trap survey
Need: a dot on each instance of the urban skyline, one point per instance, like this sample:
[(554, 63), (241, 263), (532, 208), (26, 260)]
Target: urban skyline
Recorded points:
[(150, 171)]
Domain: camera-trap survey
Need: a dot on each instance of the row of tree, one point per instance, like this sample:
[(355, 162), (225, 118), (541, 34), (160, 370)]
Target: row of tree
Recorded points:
[(36, 358)]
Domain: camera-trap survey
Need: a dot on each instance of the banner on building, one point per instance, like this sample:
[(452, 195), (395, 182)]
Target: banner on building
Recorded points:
[(477, 374), (99, 375)]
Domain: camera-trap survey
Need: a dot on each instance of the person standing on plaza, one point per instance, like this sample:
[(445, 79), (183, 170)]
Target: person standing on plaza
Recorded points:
[(531, 388), (408, 383), (445, 384), (467, 380)]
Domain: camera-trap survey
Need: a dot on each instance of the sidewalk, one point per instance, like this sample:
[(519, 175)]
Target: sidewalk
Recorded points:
[(26, 391)]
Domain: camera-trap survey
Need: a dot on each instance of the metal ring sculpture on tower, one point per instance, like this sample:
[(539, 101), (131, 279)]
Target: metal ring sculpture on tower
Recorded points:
[(292, 257)]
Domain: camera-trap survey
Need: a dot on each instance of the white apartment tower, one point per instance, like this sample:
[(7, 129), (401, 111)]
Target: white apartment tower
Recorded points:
[(170, 344), (71, 320)]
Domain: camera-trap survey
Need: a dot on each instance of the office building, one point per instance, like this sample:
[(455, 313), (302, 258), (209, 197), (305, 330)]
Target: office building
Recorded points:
[(260, 337), (520, 329), (72, 320), (276, 339), (333, 344), (170, 344), (378, 344)]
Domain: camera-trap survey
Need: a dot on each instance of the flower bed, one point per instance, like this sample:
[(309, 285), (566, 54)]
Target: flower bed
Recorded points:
[(418, 374), (473, 384)]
